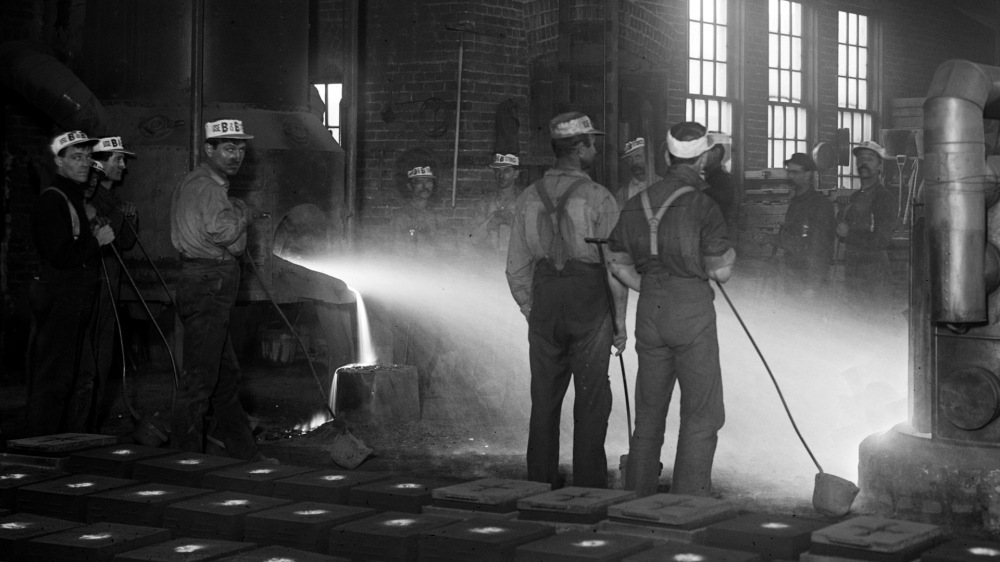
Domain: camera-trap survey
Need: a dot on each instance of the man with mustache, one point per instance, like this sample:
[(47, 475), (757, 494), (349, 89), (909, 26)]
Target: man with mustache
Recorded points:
[(865, 228), (61, 295), (415, 226), (109, 168), (635, 158), (209, 229)]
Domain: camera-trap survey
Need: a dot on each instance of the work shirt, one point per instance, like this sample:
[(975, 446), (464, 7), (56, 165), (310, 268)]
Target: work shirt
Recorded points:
[(108, 205), (204, 220), (495, 236), (52, 231), (692, 238), (720, 189), (634, 187), (590, 211), (807, 235), (871, 216), (418, 225)]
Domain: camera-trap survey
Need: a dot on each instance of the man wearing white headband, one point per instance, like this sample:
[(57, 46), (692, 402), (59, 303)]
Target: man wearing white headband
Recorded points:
[(493, 215), (639, 180), (61, 295), (415, 225), (109, 168), (559, 281), (670, 242), (209, 230)]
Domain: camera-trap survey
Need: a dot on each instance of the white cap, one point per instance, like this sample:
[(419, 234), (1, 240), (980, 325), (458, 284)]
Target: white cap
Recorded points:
[(504, 161), (226, 129), (97, 165), (112, 144), (570, 124), (872, 146), (634, 145), (70, 138), (420, 172)]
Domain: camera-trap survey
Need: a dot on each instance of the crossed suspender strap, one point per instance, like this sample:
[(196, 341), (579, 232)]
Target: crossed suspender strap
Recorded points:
[(73, 216), (654, 221), (555, 212)]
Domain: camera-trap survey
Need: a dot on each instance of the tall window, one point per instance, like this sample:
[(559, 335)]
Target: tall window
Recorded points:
[(852, 88), (331, 94), (708, 55), (787, 119)]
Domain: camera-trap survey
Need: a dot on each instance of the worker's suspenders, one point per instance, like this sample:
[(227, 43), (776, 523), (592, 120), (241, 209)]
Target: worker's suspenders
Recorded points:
[(556, 246), (73, 216), (654, 221)]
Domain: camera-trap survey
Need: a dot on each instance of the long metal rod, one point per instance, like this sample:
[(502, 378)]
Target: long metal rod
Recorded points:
[(770, 374), (153, 265), (458, 119), (197, 75)]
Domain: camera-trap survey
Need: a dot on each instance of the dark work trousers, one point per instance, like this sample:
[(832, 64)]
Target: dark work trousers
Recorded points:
[(676, 340), (569, 335), (100, 347), (206, 292), (867, 281), (59, 393)]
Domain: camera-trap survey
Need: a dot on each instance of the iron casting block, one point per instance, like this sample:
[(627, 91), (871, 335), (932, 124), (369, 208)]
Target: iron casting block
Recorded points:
[(17, 530), (66, 498), (397, 494), (182, 469), (60, 443), (138, 505), (117, 460), (572, 505), (493, 495), (283, 554), (100, 541), (391, 535), (13, 477), (701, 553), (475, 540), (328, 486), (580, 546), (216, 516), (963, 551), (773, 536), (674, 511), (185, 550), (304, 525), (254, 478), (875, 538)]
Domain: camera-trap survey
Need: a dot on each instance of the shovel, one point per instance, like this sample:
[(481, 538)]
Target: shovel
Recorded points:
[(832, 495)]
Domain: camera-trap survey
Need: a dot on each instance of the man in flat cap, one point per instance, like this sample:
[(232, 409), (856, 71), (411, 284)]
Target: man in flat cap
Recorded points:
[(494, 214), (671, 242), (415, 226), (639, 178), (865, 228), (209, 230), (561, 285), (109, 156), (61, 295), (807, 233)]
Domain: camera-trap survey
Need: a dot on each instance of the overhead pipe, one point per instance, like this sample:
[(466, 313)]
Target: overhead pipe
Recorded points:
[(33, 72), (960, 95)]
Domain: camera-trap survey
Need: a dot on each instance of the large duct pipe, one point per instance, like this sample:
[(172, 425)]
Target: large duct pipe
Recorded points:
[(956, 176), (52, 87)]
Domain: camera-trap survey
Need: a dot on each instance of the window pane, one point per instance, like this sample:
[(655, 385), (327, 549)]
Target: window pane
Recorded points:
[(772, 51), (709, 41), (721, 84), (862, 94), (801, 120), (779, 122), (786, 85), (694, 76), (852, 29), (721, 44), (721, 12), (796, 17), (785, 51), (841, 60), (709, 77), (862, 64), (841, 27), (708, 8), (852, 60), (772, 16), (796, 87), (796, 54), (694, 9), (694, 39), (862, 31)]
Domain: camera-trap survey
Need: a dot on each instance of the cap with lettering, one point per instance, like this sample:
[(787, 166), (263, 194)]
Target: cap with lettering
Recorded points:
[(504, 161), (420, 172), (633, 146), (68, 139), (570, 124), (111, 144), (226, 129), (872, 146)]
